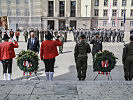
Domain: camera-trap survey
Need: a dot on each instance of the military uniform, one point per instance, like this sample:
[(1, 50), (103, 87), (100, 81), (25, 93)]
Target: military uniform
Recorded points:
[(41, 35), (127, 59), (81, 50), (97, 46), (61, 38), (25, 35), (65, 36)]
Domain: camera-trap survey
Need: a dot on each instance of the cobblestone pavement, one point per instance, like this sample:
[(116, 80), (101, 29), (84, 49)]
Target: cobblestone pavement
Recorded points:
[(66, 90)]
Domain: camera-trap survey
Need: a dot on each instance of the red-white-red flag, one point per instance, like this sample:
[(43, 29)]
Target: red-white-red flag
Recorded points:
[(110, 12)]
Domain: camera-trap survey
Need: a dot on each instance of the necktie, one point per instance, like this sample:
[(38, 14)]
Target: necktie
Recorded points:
[(32, 41)]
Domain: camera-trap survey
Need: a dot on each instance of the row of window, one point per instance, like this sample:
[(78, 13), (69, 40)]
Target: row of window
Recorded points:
[(17, 1), (114, 12), (113, 23), (9, 12), (61, 9), (115, 2)]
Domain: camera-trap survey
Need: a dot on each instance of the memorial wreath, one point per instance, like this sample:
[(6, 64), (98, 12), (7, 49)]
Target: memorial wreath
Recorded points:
[(102, 58), (32, 59)]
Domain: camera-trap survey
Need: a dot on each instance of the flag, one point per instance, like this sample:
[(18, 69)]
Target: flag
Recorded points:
[(124, 18), (110, 13)]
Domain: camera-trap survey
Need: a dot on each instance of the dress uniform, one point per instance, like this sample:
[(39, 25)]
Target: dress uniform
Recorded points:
[(48, 52), (6, 55), (41, 35), (25, 34), (80, 54)]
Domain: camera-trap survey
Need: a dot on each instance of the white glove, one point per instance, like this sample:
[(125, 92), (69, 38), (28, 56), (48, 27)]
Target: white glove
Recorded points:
[(0, 62), (55, 37), (12, 39)]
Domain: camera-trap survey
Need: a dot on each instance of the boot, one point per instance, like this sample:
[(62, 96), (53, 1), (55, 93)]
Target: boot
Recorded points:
[(51, 75), (9, 76), (5, 76), (47, 76)]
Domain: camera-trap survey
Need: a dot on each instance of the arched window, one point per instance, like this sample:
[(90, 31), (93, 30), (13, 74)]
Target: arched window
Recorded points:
[(96, 3)]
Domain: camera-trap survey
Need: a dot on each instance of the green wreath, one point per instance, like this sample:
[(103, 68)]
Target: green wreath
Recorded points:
[(102, 56), (29, 56)]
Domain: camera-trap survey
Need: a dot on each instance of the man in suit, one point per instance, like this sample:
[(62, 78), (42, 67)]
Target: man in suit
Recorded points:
[(33, 43)]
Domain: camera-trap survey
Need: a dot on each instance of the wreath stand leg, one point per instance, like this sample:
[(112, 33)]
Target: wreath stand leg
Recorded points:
[(29, 76), (109, 76)]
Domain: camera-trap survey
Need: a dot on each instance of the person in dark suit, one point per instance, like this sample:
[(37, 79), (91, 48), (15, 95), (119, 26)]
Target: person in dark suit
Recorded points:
[(33, 43)]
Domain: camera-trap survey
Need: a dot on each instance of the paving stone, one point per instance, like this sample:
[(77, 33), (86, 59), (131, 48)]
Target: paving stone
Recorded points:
[(65, 89), (17, 97), (22, 89), (66, 97), (42, 97), (6, 89), (3, 96)]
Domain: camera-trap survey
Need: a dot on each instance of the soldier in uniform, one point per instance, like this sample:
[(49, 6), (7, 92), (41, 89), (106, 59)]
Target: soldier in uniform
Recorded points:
[(0, 35), (11, 34), (127, 60), (122, 36), (36, 33), (113, 35), (97, 45), (65, 35), (80, 54), (41, 35), (61, 38), (25, 34)]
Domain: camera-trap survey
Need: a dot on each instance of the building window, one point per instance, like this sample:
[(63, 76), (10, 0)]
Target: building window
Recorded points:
[(27, 12), (50, 8), (132, 3), (104, 23), (17, 12), (114, 2), (122, 23), (122, 12), (96, 12), (73, 9), (114, 12), (124, 2), (96, 23), (26, 1), (62, 8), (105, 2), (131, 23), (131, 14), (105, 12), (9, 12), (96, 3), (113, 24), (8, 1)]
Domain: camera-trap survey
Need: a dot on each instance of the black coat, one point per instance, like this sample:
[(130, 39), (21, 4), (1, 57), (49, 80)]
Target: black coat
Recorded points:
[(97, 46), (33, 47)]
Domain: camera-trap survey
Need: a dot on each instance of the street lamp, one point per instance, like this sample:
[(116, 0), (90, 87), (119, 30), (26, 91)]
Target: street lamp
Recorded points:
[(86, 16)]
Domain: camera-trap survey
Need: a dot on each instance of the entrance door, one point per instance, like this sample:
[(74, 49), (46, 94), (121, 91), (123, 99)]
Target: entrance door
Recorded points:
[(50, 24), (73, 24), (62, 24)]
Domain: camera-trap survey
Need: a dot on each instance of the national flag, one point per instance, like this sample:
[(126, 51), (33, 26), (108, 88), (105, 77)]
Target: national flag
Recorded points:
[(110, 13)]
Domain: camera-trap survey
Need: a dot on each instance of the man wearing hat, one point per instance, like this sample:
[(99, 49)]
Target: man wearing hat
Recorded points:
[(80, 54), (127, 60), (97, 45), (48, 52), (6, 55)]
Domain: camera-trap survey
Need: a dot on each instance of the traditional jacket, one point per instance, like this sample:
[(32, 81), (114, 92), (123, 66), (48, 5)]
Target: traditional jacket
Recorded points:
[(48, 49), (7, 50)]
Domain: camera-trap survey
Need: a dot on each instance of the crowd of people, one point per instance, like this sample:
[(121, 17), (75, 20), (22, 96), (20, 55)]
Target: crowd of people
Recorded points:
[(51, 39), (104, 34)]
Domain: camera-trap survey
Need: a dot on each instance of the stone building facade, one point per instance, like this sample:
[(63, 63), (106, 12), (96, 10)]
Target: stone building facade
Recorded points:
[(22, 13)]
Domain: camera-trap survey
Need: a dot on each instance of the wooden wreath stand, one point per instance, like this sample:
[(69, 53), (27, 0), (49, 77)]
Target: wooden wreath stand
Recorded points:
[(27, 64), (104, 65)]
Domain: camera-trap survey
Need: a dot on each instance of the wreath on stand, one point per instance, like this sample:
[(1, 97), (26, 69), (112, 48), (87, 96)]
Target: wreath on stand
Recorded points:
[(102, 57), (32, 59)]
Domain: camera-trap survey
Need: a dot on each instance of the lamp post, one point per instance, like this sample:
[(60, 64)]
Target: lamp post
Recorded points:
[(86, 16)]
